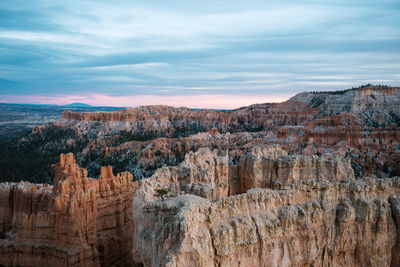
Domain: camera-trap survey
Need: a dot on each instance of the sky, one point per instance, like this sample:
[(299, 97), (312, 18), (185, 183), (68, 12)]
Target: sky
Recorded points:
[(201, 54)]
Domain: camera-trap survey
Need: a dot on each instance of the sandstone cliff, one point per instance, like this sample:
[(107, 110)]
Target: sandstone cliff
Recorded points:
[(272, 167), (372, 106), (210, 175), (149, 122), (79, 222), (244, 230), (203, 173), (306, 224)]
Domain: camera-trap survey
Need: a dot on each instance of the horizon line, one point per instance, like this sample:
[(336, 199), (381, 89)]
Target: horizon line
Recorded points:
[(201, 101), (204, 101)]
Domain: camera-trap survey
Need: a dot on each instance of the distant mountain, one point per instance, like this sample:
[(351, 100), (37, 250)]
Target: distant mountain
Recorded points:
[(78, 105)]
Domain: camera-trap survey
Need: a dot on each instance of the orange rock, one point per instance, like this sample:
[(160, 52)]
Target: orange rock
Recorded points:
[(70, 224)]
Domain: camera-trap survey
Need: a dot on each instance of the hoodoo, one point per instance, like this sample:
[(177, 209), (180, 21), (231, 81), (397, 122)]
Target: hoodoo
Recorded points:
[(79, 221)]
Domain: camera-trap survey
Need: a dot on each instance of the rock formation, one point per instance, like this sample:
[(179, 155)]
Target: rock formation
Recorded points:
[(271, 167), (320, 216), (280, 184), (79, 222), (210, 175), (373, 105), (324, 218), (203, 173), (360, 124), (307, 223)]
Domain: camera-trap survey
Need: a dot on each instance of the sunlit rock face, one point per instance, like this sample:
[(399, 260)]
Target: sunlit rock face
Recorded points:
[(209, 174), (320, 216), (79, 222), (271, 167), (307, 223)]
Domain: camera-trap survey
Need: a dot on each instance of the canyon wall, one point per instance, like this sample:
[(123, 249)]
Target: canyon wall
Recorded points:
[(370, 106), (211, 175), (295, 226), (308, 223), (149, 122), (272, 167), (79, 222)]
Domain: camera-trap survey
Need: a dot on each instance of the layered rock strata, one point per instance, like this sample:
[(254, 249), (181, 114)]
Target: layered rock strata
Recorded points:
[(361, 124), (364, 123), (210, 175), (79, 222), (272, 167), (307, 223), (203, 173), (371, 105)]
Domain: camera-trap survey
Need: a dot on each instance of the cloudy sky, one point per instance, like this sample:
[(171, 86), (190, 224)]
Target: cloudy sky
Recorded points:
[(216, 54)]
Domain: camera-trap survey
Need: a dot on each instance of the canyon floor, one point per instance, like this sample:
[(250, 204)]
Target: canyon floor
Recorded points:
[(313, 181)]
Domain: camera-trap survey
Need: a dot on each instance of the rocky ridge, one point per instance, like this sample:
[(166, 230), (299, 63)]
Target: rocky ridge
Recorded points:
[(374, 106)]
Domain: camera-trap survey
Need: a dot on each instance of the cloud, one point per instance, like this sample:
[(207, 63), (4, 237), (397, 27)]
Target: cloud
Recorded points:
[(170, 48)]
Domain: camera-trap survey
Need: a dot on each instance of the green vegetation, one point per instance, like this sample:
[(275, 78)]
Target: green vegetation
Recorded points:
[(30, 158), (162, 193), (341, 92)]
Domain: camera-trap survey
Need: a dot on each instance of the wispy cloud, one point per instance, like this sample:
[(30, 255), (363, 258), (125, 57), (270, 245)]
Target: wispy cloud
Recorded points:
[(182, 48)]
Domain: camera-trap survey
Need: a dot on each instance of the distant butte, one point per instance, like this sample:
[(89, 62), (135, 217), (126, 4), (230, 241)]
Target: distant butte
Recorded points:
[(77, 105)]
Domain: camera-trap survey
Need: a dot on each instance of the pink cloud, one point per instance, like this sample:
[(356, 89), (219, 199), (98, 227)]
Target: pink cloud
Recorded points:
[(191, 101)]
